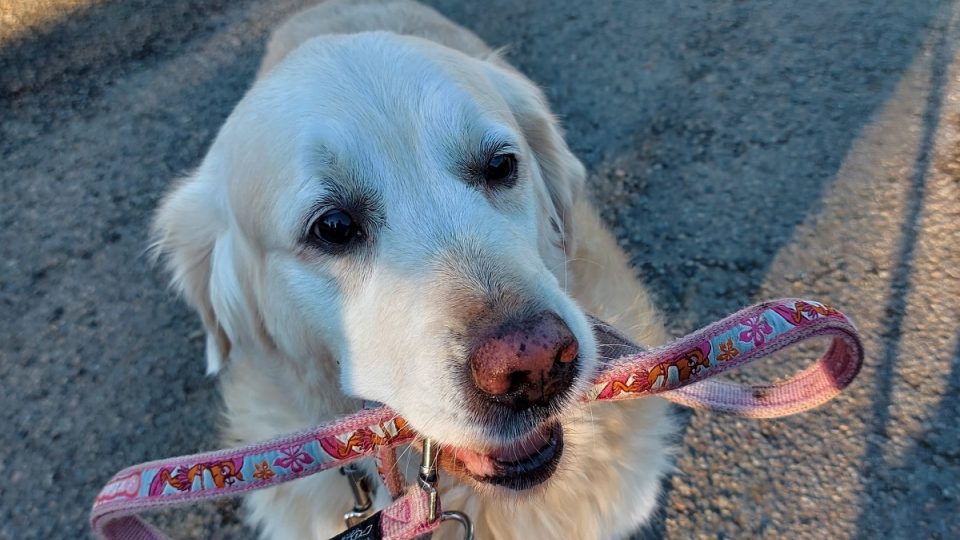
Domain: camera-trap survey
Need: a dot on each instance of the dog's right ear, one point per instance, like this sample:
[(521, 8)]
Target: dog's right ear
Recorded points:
[(185, 233), (563, 174)]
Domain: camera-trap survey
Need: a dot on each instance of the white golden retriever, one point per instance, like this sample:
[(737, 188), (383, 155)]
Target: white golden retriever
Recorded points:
[(391, 213)]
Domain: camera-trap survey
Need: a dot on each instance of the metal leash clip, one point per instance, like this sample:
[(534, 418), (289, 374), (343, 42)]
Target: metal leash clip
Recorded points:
[(360, 486), (428, 483)]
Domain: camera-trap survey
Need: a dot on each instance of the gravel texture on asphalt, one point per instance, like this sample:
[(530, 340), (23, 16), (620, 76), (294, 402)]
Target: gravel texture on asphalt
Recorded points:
[(739, 150)]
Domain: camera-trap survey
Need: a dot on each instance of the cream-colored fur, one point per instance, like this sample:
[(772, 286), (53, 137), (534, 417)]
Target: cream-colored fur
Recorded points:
[(388, 95)]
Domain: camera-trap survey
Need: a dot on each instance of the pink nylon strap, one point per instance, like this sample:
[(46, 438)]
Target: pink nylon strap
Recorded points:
[(222, 473), (677, 371), (388, 469), (387, 465), (405, 518)]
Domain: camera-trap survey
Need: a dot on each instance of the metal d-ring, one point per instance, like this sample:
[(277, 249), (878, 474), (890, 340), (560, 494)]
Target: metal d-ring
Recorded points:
[(360, 486), (463, 519)]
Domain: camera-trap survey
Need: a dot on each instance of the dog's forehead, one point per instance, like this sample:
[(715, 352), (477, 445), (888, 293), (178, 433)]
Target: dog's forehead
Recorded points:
[(377, 109), (398, 108), (396, 90)]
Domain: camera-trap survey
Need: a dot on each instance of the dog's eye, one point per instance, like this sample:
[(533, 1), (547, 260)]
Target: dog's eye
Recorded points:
[(335, 227), (501, 170)]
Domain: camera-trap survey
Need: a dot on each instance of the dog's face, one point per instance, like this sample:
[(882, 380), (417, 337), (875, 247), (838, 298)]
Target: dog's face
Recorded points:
[(397, 208)]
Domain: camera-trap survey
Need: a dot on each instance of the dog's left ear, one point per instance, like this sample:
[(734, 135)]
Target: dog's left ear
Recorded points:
[(562, 173)]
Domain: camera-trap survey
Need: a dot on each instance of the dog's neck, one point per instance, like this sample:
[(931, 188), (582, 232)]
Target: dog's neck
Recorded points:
[(279, 394)]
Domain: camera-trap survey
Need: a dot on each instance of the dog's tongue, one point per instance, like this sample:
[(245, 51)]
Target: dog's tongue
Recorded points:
[(482, 465)]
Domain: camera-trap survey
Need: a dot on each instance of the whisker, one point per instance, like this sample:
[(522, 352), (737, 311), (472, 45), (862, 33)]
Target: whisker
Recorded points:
[(582, 259)]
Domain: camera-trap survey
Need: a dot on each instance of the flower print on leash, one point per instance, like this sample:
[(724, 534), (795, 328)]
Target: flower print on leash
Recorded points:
[(294, 458), (262, 471), (728, 351), (757, 330)]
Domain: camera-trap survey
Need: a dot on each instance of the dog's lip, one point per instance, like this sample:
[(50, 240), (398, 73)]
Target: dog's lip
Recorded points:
[(518, 465)]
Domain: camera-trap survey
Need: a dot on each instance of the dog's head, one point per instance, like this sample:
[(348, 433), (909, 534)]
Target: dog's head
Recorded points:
[(403, 210)]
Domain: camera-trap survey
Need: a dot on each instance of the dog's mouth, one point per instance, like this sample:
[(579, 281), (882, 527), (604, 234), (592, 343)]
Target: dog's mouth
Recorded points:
[(519, 465)]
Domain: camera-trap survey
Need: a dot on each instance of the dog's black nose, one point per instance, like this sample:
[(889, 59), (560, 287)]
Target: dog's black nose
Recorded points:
[(526, 364)]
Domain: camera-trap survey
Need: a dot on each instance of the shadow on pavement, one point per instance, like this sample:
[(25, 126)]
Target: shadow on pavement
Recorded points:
[(53, 73), (876, 468)]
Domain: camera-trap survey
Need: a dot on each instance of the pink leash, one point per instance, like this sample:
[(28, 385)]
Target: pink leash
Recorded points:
[(676, 370)]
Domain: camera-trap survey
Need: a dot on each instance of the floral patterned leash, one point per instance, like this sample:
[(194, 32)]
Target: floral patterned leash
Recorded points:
[(676, 370)]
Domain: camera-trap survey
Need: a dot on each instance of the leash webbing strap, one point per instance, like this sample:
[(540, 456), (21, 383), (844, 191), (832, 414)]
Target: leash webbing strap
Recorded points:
[(405, 518), (223, 473), (676, 370)]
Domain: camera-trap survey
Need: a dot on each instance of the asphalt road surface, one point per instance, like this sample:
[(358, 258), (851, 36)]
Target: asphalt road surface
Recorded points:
[(740, 150)]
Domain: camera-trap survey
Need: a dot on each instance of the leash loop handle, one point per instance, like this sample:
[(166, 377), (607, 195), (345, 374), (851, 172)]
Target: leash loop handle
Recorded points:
[(678, 370)]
